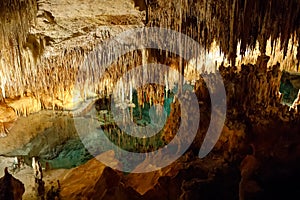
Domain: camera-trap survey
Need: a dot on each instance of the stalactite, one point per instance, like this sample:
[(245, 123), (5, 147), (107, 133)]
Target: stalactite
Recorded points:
[(16, 18), (228, 22), (219, 26)]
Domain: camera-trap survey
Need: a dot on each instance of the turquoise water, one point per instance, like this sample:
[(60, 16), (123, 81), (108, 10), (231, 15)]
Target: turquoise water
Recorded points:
[(74, 153), (289, 93)]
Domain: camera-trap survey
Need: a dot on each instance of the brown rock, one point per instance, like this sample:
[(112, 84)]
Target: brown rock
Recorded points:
[(7, 113), (95, 181), (10, 187), (24, 106), (7, 117)]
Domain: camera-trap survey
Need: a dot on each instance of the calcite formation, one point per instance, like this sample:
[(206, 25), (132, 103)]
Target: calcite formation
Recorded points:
[(44, 50), (7, 116), (230, 22), (51, 59)]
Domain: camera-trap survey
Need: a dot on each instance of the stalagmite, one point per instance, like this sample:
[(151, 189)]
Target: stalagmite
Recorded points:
[(123, 93), (33, 164), (130, 93), (3, 82)]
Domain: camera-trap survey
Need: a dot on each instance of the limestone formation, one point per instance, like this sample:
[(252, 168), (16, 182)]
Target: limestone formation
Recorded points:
[(10, 187), (51, 58), (7, 117)]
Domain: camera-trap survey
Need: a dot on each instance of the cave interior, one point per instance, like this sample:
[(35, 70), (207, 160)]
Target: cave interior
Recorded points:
[(149, 99)]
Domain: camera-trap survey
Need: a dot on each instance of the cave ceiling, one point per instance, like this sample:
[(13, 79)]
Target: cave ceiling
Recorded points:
[(37, 35)]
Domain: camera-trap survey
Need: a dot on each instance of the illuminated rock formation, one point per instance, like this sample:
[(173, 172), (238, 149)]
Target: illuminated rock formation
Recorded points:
[(51, 59)]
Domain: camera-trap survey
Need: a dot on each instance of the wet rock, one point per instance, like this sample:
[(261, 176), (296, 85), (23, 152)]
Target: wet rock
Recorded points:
[(40, 135), (94, 180)]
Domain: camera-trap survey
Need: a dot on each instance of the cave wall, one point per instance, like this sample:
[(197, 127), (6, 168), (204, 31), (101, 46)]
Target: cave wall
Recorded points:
[(230, 22), (18, 49), (43, 49), (41, 56), (40, 67)]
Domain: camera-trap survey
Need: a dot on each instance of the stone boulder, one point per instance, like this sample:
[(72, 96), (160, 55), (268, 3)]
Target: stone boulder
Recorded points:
[(10, 187), (95, 181)]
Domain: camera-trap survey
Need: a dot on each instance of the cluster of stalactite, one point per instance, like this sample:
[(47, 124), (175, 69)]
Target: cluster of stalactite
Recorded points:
[(80, 70), (262, 85), (45, 77), (252, 92), (56, 74), (83, 69), (16, 19), (230, 22), (152, 94), (18, 49), (132, 143)]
